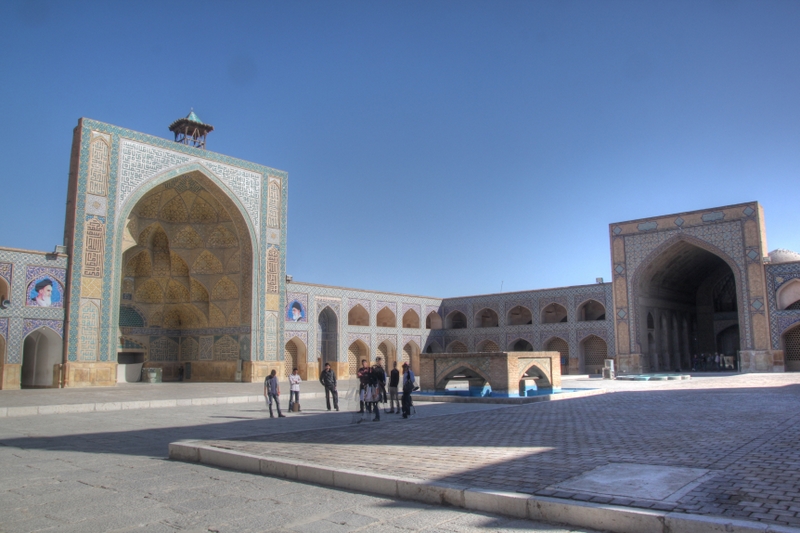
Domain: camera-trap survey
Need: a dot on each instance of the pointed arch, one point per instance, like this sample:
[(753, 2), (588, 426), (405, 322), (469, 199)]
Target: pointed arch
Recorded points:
[(358, 316), (41, 350), (788, 295), (554, 313), (594, 352), (411, 319), (386, 318), (455, 320), (557, 344), (488, 346), (433, 321), (433, 347), (591, 310), (486, 318), (519, 316), (457, 347), (520, 345), (357, 351)]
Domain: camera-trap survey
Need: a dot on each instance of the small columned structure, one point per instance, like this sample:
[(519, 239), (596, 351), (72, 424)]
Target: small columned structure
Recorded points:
[(498, 374)]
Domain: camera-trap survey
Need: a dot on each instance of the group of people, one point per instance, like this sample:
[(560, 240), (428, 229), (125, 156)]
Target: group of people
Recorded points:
[(372, 389), (709, 361)]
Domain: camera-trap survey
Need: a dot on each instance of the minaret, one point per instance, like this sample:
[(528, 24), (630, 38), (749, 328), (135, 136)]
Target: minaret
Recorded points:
[(191, 130)]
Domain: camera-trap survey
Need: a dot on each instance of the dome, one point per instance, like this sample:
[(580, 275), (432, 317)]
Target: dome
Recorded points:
[(782, 255)]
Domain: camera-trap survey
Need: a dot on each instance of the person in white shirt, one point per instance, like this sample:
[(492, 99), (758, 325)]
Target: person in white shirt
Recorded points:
[(294, 389)]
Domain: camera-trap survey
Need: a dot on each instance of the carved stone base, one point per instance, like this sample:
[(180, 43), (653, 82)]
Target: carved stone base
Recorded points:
[(761, 361), (10, 376), (89, 374), (257, 371)]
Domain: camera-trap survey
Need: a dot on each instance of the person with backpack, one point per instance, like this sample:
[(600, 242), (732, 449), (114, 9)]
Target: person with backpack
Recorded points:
[(363, 382), (376, 390), (408, 388)]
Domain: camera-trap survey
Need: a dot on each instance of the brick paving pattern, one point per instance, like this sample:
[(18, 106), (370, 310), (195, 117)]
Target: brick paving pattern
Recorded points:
[(746, 436)]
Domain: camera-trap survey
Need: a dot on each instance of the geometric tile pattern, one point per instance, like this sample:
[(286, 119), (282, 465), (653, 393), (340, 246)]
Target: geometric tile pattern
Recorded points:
[(537, 334), (116, 167), (724, 237), (780, 320)]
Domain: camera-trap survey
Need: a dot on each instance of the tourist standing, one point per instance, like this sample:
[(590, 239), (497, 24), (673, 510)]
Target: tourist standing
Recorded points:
[(272, 391), (394, 380), (408, 388), (377, 384), (294, 389), (328, 379), (363, 381)]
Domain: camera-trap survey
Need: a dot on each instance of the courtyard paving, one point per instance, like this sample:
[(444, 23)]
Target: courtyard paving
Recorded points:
[(108, 471), (738, 433)]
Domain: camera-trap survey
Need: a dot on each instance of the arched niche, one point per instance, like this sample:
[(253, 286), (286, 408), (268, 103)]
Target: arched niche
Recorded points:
[(557, 344), (357, 351), (433, 347), (455, 320), (520, 345), (594, 352), (554, 313), (5, 290), (295, 355), (433, 321), (387, 352), (327, 337), (457, 347), (386, 318), (358, 316), (692, 291), (188, 265), (790, 341), (410, 355), (519, 316), (411, 319), (42, 349), (486, 318), (591, 310), (488, 346), (788, 295)]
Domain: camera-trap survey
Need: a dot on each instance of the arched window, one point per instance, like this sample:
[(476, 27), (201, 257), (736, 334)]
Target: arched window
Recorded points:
[(411, 319), (791, 349), (560, 345), (594, 352), (433, 347), (355, 353), (457, 347), (358, 316), (386, 318), (5, 293), (488, 346), (486, 318), (456, 320), (521, 345), (433, 321), (650, 321), (520, 316), (591, 310), (788, 296), (553, 314)]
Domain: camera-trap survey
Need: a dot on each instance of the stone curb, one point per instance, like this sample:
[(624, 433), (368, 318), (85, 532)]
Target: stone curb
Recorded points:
[(33, 410), (580, 514)]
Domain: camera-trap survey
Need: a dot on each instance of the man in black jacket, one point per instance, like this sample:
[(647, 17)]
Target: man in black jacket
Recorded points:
[(328, 379)]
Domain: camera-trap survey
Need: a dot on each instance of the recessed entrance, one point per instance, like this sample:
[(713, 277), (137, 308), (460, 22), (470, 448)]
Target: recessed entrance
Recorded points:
[(41, 351), (688, 305)]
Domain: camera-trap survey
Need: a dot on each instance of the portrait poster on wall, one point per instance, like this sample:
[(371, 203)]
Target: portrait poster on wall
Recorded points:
[(295, 312), (44, 291)]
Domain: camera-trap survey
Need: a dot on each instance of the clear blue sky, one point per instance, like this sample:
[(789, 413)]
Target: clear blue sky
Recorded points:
[(435, 148)]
